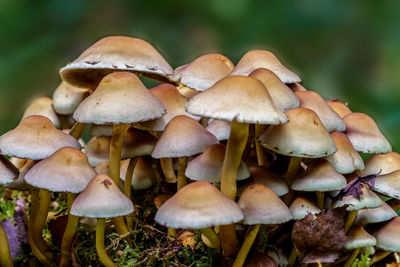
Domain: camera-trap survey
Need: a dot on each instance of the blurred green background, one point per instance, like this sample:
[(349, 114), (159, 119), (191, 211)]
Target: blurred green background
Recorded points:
[(346, 50)]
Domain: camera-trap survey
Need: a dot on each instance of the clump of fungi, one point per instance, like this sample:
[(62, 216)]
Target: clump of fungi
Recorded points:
[(250, 150)]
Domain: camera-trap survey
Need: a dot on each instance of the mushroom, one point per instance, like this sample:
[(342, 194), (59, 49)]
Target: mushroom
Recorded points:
[(341, 109), (388, 239), (382, 164), (66, 98), (42, 106), (358, 238), (8, 172), (301, 207), (375, 215), (219, 129), (5, 256)]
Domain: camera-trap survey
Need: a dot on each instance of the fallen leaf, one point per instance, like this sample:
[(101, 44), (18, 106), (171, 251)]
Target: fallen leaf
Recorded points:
[(355, 187)]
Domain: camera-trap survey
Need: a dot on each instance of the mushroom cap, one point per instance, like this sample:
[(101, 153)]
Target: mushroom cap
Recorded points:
[(35, 138), (220, 129), (301, 207), (281, 94), (382, 164), (143, 176), (42, 106), (319, 176), (375, 215), (358, 238), (255, 59), (120, 98), (101, 199), (198, 205), (98, 150), (208, 165), (115, 53), (346, 159), (183, 137), (341, 109), (388, 236), (244, 99), (316, 103), (261, 205), (66, 98), (8, 172), (388, 184), (203, 72), (365, 135), (20, 183), (100, 130), (303, 136), (368, 199), (67, 170)]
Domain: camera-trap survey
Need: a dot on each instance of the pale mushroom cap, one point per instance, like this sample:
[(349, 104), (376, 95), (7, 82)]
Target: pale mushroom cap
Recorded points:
[(358, 238), (98, 150), (239, 98), (198, 205), (261, 205), (100, 130), (316, 103), (42, 106), (365, 135), (341, 109), (143, 176), (67, 170), (208, 165), (120, 98), (281, 94), (368, 199), (203, 72), (346, 159), (301, 207), (101, 199), (319, 176), (66, 98), (220, 129), (382, 164), (115, 53), (256, 59), (35, 138), (183, 137), (8, 172), (388, 236), (303, 136), (20, 183), (388, 184), (375, 215)]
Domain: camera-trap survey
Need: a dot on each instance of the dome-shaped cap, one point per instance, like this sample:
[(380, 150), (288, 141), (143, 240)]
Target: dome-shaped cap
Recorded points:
[(98, 150), (388, 184), (346, 159), (368, 199), (67, 170), (283, 97), (203, 72), (8, 172), (303, 136), (261, 205), (319, 176), (120, 98), (35, 138), (382, 164), (375, 215), (101, 199), (183, 137), (388, 236), (43, 106), (67, 97), (316, 103), (301, 207), (255, 59), (220, 129), (365, 135), (143, 176), (115, 53), (358, 238), (208, 165), (198, 205), (239, 98), (341, 109)]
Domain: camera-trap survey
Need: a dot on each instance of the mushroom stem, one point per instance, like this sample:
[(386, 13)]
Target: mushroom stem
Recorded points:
[(127, 188), (379, 256), (168, 169), (77, 130), (68, 237), (5, 256), (293, 168), (115, 151), (353, 256), (213, 237), (349, 220), (204, 122), (320, 199), (182, 179), (261, 157), (292, 257), (101, 250), (171, 233), (246, 246)]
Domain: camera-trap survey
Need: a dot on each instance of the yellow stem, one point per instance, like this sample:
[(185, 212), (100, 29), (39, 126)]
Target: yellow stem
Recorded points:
[(212, 237), (171, 233), (182, 179), (115, 151), (5, 256), (292, 257), (353, 256), (261, 157), (127, 188), (320, 199), (77, 130), (293, 169), (204, 122), (68, 237), (349, 220), (379, 256), (101, 250), (246, 246), (167, 167)]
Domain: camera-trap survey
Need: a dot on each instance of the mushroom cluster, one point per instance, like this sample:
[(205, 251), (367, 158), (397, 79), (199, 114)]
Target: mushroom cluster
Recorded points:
[(248, 147)]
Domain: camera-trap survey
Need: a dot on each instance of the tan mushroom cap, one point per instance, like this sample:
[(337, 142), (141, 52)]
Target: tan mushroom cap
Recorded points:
[(283, 97), (183, 137), (319, 176), (67, 170), (388, 184), (35, 138), (115, 53), (42, 106), (101, 199), (346, 159), (303, 136), (341, 109), (297, 87), (174, 103), (220, 129), (358, 238), (198, 205), (20, 183), (316, 103), (203, 72), (208, 165), (160, 200), (382, 164), (375, 215), (368, 199), (365, 135), (66, 98), (255, 59), (120, 98), (301, 207), (388, 236), (8, 172), (143, 176), (261, 205), (100, 130), (98, 150), (244, 99)]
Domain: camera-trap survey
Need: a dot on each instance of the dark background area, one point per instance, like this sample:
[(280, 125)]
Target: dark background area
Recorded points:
[(346, 50)]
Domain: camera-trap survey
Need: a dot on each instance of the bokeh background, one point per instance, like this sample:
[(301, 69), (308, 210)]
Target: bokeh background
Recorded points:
[(346, 50)]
